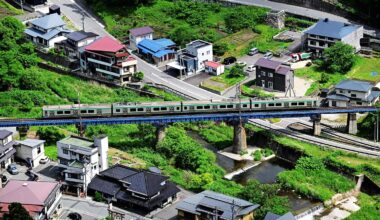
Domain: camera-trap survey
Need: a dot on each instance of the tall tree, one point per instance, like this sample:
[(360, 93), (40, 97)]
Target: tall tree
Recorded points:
[(17, 212), (338, 58)]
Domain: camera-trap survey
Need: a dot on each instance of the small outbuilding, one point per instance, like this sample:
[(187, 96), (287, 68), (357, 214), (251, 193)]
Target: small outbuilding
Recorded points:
[(214, 68), (136, 35), (30, 150)]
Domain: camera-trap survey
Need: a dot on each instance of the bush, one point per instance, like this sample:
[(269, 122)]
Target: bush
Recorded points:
[(242, 17), (338, 58), (50, 134), (139, 76), (257, 155), (98, 197)]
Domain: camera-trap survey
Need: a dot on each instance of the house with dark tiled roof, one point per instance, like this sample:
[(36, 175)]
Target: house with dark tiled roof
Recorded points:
[(106, 58), (75, 40), (286, 216), (46, 31), (7, 150), (326, 32), (353, 93), (131, 187), (273, 75), (215, 206), (136, 35)]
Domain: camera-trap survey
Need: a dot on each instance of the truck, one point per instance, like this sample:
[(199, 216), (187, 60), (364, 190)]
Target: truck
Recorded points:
[(300, 56)]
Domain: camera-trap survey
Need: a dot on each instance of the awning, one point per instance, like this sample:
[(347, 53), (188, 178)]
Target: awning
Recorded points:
[(175, 65)]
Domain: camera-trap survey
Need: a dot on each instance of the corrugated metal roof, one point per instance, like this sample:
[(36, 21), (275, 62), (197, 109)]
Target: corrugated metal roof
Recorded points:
[(105, 44), (49, 21), (80, 35), (141, 31), (4, 134), (333, 29), (355, 85)]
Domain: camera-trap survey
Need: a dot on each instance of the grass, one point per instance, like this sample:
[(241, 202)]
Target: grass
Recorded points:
[(369, 208), (238, 43), (222, 82), (362, 69), (165, 95), (51, 152), (7, 10), (124, 158), (219, 135), (264, 40), (247, 90)]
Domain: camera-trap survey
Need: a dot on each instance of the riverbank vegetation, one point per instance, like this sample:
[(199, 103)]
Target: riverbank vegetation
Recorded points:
[(219, 135)]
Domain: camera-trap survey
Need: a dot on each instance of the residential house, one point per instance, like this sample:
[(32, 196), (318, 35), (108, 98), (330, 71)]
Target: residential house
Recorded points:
[(109, 59), (81, 159), (136, 35), (353, 93), (31, 151), (144, 189), (326, 32), (159, 51), (214, 68), (75, 40), (272, 75), (272, 216), (46, 31), (41, 199), (212, 205), (195, 55), (7, 150)]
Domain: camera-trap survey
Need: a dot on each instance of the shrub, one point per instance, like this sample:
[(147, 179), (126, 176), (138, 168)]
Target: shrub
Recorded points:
[(98, 197), (338, 58), (50, 134), (257, 155)]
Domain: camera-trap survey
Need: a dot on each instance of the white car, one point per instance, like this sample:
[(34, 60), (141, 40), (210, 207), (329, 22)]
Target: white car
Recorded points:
[(44, 160), (241, 63), (251, 68)]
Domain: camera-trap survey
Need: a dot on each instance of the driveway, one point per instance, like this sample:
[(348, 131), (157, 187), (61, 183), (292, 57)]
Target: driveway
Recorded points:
[(46, 172)]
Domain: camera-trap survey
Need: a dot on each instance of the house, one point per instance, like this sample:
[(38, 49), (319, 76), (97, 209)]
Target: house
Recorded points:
[(353, 93), (41, 199), (30, 150), (214, 68), (80, 159), (7, 150), (212, 205), (159, 51), (131, 187), (109, 59), (272, 75), (75, 40), (136, 35), (272, 216), (326, 32), (46, 31), (194, 56)]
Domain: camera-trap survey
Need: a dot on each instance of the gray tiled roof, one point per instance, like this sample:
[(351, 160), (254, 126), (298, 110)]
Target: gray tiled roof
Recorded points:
[(338, 97), (333, 29), (80, 35), (227, 205), (4, 134), (141, 31), (266, 63), (354, 85), (272, 216), (49, 21), (47, 36)]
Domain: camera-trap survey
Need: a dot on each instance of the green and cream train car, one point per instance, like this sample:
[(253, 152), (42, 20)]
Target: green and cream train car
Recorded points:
[(76, 110)]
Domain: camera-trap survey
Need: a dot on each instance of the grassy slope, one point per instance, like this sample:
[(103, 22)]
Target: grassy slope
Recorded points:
[(363, 68), (7, 9)]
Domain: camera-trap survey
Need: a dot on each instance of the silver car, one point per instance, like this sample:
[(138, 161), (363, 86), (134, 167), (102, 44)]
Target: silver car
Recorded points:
[(12, 169)]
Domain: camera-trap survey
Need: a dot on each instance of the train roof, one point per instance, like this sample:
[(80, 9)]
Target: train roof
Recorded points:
[(55, 107), (145, 104)]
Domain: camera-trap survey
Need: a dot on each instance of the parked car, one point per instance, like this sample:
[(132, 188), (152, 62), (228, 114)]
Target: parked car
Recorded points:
[(268, 55), (74, 216), (44, 160), (12, 169), (241, 63), (251, 68), (32, 175), (253, 51), (229, 60)]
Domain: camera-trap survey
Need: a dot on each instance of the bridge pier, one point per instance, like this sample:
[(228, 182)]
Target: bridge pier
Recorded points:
[(160, 132), (240, 138), (352, 125), (22, 130), (316, 125)]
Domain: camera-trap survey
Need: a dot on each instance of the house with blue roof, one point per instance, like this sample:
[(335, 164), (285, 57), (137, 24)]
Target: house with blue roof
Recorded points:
[(353, 93), (326, 32), (158, 51), (46, 31)]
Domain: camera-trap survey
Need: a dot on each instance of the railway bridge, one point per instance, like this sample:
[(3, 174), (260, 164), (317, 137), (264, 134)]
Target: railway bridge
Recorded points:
[(233, 118)]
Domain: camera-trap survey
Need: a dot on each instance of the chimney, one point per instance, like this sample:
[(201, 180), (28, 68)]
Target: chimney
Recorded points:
[(101, 142)]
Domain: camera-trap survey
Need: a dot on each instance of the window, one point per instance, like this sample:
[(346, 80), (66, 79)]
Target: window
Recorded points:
[(222, 106), (164, 108), (359, 103), (38, 149), (83, 111), (118, 110), (294, 104), (140, 109), (353, 95), (207, 107), (301, 103), (313, 42), (312, 35), (270, 74), (271, 104), (330, 39), (208, 52), (156, 109), (270, 85), (230, 106), (262, 73), (132, 109), (203, 54), (245, 105), (257, 105), (321, 44), (199, 107), (278, 104), (67, 112), (59, 112), (64, 151), (91, 111)]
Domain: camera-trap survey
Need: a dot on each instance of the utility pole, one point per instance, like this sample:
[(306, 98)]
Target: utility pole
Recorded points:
[(80, 129), (22, 6), (83, 20)]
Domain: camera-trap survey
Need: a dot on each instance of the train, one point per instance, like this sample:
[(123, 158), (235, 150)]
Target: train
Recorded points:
[(180, 107)]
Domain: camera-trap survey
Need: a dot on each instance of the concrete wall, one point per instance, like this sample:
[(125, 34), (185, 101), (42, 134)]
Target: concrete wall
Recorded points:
[(353, 39), (349, 93), (25, 152), (133, 41)]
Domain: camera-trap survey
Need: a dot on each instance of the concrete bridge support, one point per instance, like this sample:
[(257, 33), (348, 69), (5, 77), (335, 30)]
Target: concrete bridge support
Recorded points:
[(317, 125), (81, 129), (160, 132), (352, 125), (240, 138)]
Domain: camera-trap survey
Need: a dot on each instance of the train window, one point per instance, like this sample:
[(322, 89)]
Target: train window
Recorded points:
[(177, 108), (67, 112), (222, 106), (59, 112), (46, 112), (230, 106), (140, 109), (118, 110), (132, 109), (245, 105), (270, 104), (156, 109), (278, 104), (91, 111), (199, 107), (301, 103), (185, 108), (207, 107), (257, 105), (164, 108), (293, 103), (83, 111)]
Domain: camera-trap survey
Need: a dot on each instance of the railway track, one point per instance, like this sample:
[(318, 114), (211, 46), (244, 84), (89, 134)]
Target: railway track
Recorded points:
[(317, 141)]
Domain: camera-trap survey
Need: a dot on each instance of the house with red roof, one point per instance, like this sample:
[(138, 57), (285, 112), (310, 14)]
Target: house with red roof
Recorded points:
[(41, 199), (108, 59), (214, 68)]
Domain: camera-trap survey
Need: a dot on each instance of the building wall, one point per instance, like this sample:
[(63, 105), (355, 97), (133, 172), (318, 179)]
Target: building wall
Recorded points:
[(353, 94), (102, 144), (6, 140), (353, 39), (133, 41), (277, 81), (25, 152), (203, 54)]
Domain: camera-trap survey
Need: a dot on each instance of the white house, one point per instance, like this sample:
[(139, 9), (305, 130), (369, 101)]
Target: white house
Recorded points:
[(46, 31), (195, 55), (82, 159), (138, 34), (30, 150), (214, 68), (7, 150)]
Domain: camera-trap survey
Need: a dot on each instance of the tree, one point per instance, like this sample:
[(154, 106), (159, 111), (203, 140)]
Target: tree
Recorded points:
[(236, 71), (338, 58), (50, 134), (220, 48), (244, 17), (139, 76), (17, 212)]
